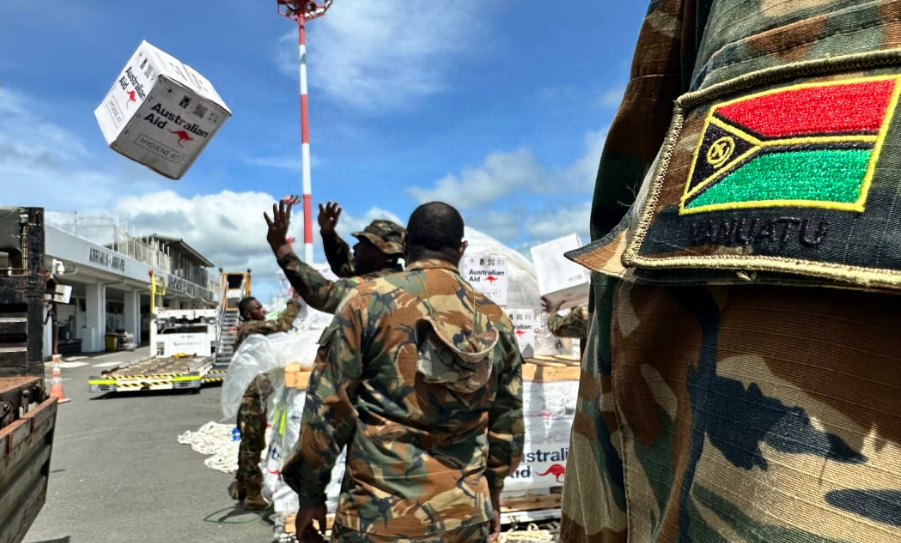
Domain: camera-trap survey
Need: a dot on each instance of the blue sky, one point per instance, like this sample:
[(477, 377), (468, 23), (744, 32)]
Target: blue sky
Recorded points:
[(497, 106)]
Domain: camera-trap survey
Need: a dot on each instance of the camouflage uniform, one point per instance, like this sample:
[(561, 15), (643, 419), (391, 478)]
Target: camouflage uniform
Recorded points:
[(732, 397), (283, 323), (325, 295), (386, 235), (252, 413), (571, 324), (421, 377)]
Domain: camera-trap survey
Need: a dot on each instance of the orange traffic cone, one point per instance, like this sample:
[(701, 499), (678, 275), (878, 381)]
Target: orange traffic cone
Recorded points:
[(56, 389)]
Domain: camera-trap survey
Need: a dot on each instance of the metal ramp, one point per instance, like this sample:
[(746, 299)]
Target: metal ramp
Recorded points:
[(235, 286), (228, 333)]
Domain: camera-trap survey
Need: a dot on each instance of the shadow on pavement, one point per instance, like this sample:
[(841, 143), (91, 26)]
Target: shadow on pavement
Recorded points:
[(236, 514), (145, 394)]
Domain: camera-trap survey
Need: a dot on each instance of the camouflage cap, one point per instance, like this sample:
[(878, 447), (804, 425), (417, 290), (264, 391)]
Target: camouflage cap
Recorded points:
[(386, 235)]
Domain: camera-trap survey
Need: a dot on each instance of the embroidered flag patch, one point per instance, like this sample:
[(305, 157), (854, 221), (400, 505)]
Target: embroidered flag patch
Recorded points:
[(810, 145)]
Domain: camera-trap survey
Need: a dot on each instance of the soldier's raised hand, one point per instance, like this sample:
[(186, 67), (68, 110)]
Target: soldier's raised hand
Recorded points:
[(328, 216), (278, 226), (549, 306)]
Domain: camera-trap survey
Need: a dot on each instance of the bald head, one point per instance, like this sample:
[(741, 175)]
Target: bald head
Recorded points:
[(435, 230)]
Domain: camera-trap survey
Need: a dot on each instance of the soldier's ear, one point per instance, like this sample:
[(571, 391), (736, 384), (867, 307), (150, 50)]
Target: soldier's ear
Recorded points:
[(403, 244), (463, 247)]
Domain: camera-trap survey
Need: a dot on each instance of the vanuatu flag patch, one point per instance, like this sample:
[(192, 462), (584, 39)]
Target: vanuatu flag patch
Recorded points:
[(812, 145)]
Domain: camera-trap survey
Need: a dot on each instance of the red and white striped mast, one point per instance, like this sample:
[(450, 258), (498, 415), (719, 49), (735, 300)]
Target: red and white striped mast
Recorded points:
[(301, 12)]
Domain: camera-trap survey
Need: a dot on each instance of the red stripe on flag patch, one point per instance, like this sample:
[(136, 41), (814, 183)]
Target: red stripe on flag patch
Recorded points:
[(848, 108)]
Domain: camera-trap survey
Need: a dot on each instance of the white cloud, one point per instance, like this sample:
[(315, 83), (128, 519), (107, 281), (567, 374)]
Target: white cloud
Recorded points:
[(46, 165), (500, 174), (520, 201), (380, 55), (228, 228), (561, 221), (349, 223), (513, 174), (276, 162), (284, 162), (611, 98)]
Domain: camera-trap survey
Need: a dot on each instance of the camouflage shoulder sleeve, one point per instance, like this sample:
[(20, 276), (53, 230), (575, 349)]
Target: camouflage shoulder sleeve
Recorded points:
[(250, 328), (574, 324), (288, 316), (506, 428), (337, 253), (329, 414), (316, 290), (635, 136)]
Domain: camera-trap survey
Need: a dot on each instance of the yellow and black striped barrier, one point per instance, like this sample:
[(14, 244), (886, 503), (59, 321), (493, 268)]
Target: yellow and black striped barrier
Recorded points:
[(130, 383)]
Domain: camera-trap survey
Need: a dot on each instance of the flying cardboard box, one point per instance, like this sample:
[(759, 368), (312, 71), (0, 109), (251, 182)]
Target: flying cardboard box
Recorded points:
[(160, 112), (560, 279)]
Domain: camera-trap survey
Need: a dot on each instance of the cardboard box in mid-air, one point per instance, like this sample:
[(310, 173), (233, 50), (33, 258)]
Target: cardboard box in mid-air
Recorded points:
[(160, 112), (560, 279)]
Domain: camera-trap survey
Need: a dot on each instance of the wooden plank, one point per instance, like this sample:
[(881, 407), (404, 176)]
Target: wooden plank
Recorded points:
[(25, 478), (298, 377), (44, 416), (544, 364), (24, 473), (14, 527), (16, 382), (546, 374), (568, 359), (18, 432), (531, 502), (40, 421), (13, 326)]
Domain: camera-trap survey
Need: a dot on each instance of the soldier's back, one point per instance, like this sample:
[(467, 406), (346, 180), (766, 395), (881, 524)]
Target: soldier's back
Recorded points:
[(433, 352)]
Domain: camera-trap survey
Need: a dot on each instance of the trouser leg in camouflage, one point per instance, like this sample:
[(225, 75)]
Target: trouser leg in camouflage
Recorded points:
[(252, 420)]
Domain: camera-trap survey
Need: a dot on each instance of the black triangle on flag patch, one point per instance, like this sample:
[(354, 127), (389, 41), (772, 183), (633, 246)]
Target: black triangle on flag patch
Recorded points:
[(719, 148)]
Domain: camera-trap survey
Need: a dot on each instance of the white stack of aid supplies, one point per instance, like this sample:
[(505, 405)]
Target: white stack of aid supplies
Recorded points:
[(160, 112), (559, 279), (550, 392)]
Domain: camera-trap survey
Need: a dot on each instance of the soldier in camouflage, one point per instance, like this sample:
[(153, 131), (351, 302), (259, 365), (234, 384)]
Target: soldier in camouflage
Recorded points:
[(252, 413), (729, 393), (376, 254), (382, 235), (420, 377), (571, 323), (254, 315)]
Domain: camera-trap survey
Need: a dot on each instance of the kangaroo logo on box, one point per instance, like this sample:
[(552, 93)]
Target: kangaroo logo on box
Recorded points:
[(557, 470), (182, 136), (160, 117)]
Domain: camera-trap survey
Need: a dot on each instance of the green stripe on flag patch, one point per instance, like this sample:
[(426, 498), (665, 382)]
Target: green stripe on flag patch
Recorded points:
[(820, 175)]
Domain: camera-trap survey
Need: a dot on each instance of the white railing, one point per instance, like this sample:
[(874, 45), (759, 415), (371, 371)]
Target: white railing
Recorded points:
[(114, 234)]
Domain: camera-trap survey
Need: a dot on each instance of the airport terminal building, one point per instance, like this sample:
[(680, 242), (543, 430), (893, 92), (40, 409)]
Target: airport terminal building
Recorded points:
[(111, 272)]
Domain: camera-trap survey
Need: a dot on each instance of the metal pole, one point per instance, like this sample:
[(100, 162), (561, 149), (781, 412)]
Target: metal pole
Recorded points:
[(305, 146)]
